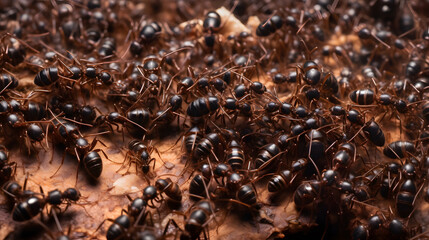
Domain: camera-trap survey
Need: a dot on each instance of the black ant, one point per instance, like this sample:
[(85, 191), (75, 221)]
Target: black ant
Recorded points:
[(7, 168), (140, 153)]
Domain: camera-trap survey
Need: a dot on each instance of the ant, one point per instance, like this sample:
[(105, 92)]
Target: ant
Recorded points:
[(139, 153), (13, 51), (60, 235), (28, 204), (7, 168), (129, 225), (137, 118), (77, 145), (163, 186), (29, 131), (197, 220), (8, 82), (171, 189), (378, 224)]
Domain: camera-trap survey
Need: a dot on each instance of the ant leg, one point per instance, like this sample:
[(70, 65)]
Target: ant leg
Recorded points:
[(151, 160), (157, 152), (77, 175), (123, 163), (151, 217), (77, 122), (105, 155), (99, 226), (4, 89), (62, 162), (54, 214), (214, 155), (400, 125), (141, 217), (114, 124), (236, 201), (51, 235), (77, 169), (265, 164), (325, 228), (170, 221), (136, 165), (25, 181), (130, 163), (53, 151), (205, 236), (135, 124), (37, 157), (311, 159)]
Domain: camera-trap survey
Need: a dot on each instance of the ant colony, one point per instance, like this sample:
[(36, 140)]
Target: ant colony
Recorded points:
[(214, 119)]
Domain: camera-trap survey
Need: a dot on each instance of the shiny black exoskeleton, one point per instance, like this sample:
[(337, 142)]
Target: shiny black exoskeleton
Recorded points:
[(207, 145), (374, 133), (307, 192), (56, 197), (27, 209), (93, 164), (269, 26), (141, 154), (171, 189), (235, 155), (47, 77), (203, 106), (267, 155), (119, 228), (363, 96), (192, 138), (280, 181), (198, 218), (198, 185), (405, 198), (399, 149), (6, 167), (7, 81)]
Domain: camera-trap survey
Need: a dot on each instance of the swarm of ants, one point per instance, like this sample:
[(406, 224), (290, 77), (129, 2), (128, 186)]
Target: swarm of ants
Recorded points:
[(315, 107)]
